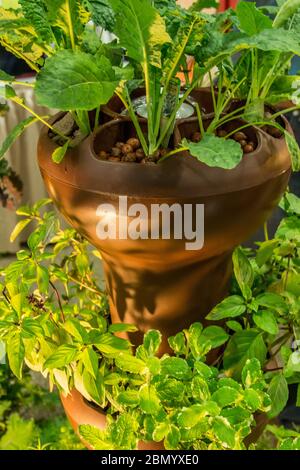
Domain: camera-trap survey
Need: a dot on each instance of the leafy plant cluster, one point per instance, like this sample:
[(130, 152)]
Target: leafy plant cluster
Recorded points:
[(246, 55), (53, 319)]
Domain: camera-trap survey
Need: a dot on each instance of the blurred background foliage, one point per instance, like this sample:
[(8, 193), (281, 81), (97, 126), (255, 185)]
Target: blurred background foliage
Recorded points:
[(31, 417)]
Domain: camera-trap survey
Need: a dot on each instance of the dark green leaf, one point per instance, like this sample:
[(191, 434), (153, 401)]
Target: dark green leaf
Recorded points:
[(252, 20), (272, 301), (102, 13), (266, 321), (232, 306), (243, 272), (36, 13), (279, 393), (73, 81)]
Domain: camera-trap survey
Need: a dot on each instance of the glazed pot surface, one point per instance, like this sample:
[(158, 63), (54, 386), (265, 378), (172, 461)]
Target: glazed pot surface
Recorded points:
[(158, 283)]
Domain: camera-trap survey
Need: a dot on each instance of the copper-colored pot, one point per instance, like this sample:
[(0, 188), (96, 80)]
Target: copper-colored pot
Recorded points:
[(158, 283)]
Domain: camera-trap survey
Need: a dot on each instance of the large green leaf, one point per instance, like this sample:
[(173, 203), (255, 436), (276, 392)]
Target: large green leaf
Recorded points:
[(215, 151), (15, 133), (141, 30), (35, 12), (243, 345), (279, 40), (61, 357), (73, 81), (279, 393), (252, 20)]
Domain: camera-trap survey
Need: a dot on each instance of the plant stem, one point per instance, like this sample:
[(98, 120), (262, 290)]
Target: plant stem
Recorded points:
[(40, 118), (173, 152), (200, 120), (70, 24), (15, 82), (96, 123), (134, 119), (266, 235), (212, 92)]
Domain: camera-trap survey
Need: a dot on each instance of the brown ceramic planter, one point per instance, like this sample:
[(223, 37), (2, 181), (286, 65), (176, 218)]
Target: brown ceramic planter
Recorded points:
[(158, 283)]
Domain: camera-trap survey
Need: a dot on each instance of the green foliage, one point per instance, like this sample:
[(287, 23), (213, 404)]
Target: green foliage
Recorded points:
[(77, 72), (73, 81), (216, 151)]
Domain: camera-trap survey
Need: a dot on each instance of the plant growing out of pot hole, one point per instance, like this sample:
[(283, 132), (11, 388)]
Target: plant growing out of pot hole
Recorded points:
[(77, 73)]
